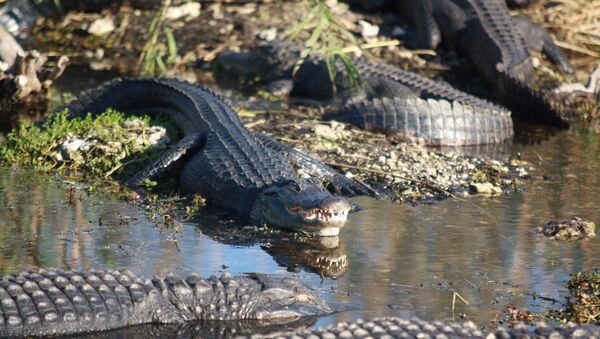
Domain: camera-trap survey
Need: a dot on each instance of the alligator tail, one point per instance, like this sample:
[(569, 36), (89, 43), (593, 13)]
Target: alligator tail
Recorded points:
[(527, 103), (437, 122)]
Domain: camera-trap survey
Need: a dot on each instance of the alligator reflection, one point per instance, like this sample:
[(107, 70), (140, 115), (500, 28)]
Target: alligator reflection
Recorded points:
[(322, 255), (206, 329)]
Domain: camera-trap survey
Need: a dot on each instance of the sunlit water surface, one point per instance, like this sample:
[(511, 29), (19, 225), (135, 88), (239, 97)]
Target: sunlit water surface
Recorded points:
[(402, 260)]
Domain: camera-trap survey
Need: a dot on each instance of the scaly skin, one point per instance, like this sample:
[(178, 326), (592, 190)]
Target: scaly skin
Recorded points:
[(53, 302), (391, 100), (393, 327), (224, 162), (484, 31)]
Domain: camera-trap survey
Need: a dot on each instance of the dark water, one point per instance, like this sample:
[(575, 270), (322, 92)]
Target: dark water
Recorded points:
[(402, 260)]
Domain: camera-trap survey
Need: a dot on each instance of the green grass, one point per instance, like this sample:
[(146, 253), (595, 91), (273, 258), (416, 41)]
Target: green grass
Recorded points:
[(328, 36), (114, 147), (156, 58)]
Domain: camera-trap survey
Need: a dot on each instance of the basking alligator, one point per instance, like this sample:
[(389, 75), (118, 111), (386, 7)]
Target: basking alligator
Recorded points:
[(496, 43), (250, 174), (391, 100), (52, 302)]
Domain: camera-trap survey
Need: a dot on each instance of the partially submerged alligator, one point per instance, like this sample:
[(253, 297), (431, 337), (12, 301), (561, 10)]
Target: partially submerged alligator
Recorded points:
[(248, 173), (394, 327), (53, 302), (390, 99), (496, 43)]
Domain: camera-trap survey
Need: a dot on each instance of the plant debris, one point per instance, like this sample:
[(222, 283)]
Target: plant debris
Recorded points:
[(583, 302), (570, 229)]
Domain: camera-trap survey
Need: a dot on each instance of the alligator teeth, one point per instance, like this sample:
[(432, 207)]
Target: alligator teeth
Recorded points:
[(326, 215)]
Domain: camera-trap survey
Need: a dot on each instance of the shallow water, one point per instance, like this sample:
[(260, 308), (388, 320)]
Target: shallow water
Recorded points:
[(402, 260)]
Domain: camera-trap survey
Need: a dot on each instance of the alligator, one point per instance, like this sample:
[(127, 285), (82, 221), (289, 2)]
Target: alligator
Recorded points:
[(389, 100), (54, 302), (250, 174), (395, 327), (497, 45)]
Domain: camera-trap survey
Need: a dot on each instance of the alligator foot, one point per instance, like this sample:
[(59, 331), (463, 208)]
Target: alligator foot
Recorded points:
[(538, 39), (166, 160)]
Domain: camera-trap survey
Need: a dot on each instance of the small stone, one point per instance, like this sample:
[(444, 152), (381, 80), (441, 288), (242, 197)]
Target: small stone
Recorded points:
[(485, 188), (368, 30), (325, 132), (187, 11), (101, 26), (268, 34)]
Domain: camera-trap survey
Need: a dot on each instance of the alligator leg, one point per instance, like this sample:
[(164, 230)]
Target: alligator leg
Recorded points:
[(538, 39), (427, 27), (340, 183), (174, 154)]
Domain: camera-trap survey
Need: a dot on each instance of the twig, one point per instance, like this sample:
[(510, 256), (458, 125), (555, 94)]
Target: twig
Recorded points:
[(454, 295)]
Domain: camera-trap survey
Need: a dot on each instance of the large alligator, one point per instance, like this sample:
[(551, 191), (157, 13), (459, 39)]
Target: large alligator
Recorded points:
[(390, 99), (394, 327), (496, 43), (248, 173), (53, 302)]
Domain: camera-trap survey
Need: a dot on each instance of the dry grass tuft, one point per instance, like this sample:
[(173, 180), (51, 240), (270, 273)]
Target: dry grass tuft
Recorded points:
[(576, 28)]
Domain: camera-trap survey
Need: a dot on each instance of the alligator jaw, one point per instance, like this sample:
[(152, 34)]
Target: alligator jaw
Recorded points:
[(302, 205), (323, 216)]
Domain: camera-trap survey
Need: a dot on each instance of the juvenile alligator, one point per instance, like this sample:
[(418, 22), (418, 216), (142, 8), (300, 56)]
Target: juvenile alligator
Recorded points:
[(244, 172), (496, 43), (390, 100), (53, 302)]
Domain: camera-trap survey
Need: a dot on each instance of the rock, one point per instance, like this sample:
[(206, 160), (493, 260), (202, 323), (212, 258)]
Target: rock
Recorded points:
[(485, 188), (569, 229), (268, 34), (72, 144), (368, 30), (326, 132), (187, 11), (156, 136), (101, 26)]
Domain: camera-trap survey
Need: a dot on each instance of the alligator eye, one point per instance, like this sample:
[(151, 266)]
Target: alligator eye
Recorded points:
[(294, 185)]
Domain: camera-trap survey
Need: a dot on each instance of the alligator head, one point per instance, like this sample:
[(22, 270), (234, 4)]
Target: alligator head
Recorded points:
[(284, 298), (302, 205)]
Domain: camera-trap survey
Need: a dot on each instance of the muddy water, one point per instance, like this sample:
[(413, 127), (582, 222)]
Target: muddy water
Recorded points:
[(402, 260)]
